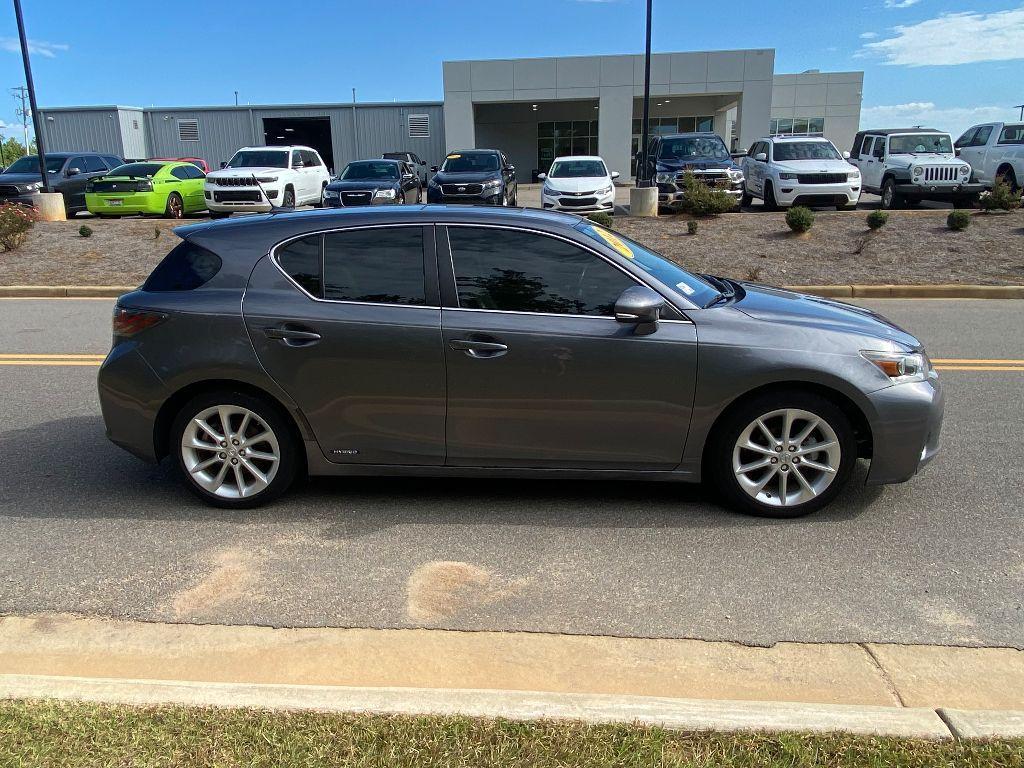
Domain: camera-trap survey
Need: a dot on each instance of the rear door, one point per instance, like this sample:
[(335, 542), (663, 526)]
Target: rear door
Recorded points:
[(539, 372), (872, 155), (348, 323)]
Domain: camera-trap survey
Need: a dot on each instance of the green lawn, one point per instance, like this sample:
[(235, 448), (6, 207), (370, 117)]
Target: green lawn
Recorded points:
[(74, 735)]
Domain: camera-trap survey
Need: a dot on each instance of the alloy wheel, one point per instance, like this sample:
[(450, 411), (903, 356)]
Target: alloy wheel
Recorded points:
[(230, 451), (786, 457)]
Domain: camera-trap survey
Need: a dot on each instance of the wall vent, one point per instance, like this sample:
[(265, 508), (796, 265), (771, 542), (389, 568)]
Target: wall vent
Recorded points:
[(188, 130), (419, 126)]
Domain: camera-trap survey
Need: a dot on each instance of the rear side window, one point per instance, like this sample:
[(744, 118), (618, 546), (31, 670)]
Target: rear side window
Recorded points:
[(382, 266), (301, 259), (184, 269)]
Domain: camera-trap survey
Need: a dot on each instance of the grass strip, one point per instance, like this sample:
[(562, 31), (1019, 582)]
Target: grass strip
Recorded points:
[(69, 735)]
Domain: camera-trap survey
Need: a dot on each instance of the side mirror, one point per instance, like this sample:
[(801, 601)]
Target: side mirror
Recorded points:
[(223, 163), (761, 157), (407, 176), (511, 169), (542, 176), (639, 305), (615, 174), (846, 155), (433, 169), (72, 171)]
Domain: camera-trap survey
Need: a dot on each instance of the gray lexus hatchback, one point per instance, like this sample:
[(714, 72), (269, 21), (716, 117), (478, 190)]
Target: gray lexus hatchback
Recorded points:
[(428, 340)]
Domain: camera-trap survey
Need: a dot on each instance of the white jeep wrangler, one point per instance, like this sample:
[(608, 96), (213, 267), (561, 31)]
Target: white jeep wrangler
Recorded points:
[(908, 165)]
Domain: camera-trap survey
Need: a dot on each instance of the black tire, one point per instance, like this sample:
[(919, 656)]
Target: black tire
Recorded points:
[(175, 208), (1010, 178), (320, 202), (219, 214), (289, 198), (718, 459), (747, 199), (891, 199), (847, 207), (272, 417), (770, 203)]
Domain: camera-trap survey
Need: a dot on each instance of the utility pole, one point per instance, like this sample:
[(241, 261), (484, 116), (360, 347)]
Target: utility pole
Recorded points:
[(643, 180), (21, 94), (40, 149)]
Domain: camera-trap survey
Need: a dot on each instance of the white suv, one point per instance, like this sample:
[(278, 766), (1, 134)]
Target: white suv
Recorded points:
[(260, 179), (799, 170)]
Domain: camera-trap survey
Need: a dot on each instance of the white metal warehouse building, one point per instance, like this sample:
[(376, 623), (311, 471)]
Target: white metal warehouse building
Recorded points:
[(533, 109)]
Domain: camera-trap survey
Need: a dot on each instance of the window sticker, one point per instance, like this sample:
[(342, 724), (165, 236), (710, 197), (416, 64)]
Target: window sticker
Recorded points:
[(614, 242), (453, 157), (688, 290)]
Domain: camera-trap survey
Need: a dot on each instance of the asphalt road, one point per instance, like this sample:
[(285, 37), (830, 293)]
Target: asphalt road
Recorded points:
[(86, 528)]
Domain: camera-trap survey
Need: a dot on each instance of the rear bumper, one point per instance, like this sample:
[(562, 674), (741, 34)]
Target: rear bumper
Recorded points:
[(130, 397), (144, 202), (906, 430)]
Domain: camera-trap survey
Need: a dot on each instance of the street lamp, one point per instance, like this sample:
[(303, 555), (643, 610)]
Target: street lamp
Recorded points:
[(1021, 108), (642, 177), (40, 150)]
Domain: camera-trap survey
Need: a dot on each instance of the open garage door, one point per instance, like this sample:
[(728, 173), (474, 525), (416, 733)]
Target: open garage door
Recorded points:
[(312, 132)]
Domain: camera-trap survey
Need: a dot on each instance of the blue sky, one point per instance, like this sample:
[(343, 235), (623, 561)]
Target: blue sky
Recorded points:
[(939, 62)]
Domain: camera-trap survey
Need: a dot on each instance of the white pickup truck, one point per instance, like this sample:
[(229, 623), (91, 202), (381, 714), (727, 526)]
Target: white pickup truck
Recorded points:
[(994, 150)]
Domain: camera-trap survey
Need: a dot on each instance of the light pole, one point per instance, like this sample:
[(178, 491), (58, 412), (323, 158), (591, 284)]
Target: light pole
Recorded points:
[(1021, 108), (40, 150), (643, 179)]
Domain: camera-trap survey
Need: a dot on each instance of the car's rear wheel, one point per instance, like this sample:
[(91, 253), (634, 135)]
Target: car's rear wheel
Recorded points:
[(175, 208), (234, 450), (747, 199), (783, 454), (1009, 178)]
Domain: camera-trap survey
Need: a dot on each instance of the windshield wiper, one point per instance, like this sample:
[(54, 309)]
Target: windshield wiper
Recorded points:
[(725, 290)]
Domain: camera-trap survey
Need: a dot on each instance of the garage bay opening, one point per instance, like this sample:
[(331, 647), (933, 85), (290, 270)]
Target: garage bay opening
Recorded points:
[(312, 132)]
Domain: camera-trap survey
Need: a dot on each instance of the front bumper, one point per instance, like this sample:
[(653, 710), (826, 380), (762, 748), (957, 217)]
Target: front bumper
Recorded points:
[(671, 196), (939, 191), (27, 198), (241, 199), (133, 202), (337, 202), (579, 204), (435, 195), (905, 430), (791, 193)]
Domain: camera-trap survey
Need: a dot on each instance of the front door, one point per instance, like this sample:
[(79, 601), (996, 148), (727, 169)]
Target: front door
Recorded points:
[(345, 323), (539, 372)]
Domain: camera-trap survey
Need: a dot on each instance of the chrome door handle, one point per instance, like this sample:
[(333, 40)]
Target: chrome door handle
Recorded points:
[(478, 349)]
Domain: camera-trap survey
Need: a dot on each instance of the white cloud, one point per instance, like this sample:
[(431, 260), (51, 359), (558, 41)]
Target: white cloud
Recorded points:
[(953, 38), (868, 35), (38, 47), (900, 3), (953, 119)]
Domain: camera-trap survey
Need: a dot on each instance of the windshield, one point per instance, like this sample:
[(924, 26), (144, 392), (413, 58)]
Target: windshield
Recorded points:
[(473, 163), (692, 287), (30, 164), (577, 169), (805, 150), (917, 143), (259, 158), (369, 170), (694, 147), (136, 169)]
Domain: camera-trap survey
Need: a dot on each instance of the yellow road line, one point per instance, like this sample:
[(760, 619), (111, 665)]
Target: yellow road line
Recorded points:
[(92, 363), (35, 355), (979, 367), (966, 361)]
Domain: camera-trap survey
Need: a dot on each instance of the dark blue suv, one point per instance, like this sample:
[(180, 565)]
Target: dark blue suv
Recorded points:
[(474, 176)]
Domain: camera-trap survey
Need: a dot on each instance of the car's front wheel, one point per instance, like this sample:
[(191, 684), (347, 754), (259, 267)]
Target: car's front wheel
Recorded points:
[(891, 199), (783, 454), (234, 450)]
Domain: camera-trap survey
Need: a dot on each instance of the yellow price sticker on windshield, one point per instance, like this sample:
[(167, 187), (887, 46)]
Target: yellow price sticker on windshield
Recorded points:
[(453, 157), (614, 242)]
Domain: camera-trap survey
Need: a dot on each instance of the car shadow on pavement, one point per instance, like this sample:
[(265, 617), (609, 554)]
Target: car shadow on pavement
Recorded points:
[(68, 469)]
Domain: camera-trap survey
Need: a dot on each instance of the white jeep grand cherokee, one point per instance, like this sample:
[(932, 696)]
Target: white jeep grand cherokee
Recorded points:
[(799, 170), (260, 179)]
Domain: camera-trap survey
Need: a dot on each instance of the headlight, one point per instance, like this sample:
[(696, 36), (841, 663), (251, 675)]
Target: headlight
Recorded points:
[(788, 176), (331, 193), (736, 175), (433, 183), (266, 179), (665, 178), (606, 190), (899, 367), (549, 191), (918, 170), (965, 170), (853, 175), (34, 187), (492, 184), (387, 194)]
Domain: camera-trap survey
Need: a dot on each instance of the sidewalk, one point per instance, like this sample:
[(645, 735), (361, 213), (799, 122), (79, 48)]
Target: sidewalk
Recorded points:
[(902, 690)]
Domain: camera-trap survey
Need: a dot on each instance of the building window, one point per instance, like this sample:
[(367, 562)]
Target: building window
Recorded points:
[(188, 130), (419, 126), (800, 126), (665, 126), (566, 137), (135, 125)]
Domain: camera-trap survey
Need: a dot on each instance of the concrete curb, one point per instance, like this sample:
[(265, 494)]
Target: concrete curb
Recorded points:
[(947, 291), (676, 714)]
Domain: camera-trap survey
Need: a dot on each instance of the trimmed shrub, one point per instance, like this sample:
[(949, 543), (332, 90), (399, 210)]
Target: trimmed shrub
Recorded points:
[(1001, 198), (958, 220), (800, 219), (85, 230), (691, 227), (877, 219), (15, 223), (701, 200), (602, 218)]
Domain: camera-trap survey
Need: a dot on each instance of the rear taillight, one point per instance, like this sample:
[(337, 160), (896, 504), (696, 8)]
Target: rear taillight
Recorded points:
[(128, 322)]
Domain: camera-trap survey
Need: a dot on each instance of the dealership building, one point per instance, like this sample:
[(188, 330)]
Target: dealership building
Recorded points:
[(532, 109)]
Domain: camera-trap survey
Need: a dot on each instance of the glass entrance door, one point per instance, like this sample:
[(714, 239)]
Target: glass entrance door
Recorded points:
[(566, 137)]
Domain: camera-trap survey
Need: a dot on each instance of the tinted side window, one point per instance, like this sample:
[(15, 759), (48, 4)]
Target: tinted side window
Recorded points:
[(93, 164), (858, 141), (113, 162), (185, 268), (879, 150), (982, 136), (310, 158), (965, 140), (383, 266), (301, 260), (524, 272), (180, 173), (75, 162)]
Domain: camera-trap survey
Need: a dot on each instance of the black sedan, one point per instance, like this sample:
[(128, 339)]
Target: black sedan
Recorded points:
[(474, 176), (374, 182)]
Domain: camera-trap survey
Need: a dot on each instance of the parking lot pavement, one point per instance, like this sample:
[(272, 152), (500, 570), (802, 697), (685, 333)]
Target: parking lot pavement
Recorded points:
[(86, 528)]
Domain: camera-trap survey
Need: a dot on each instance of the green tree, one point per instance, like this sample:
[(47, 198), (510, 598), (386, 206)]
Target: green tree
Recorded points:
[(11, 149)]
